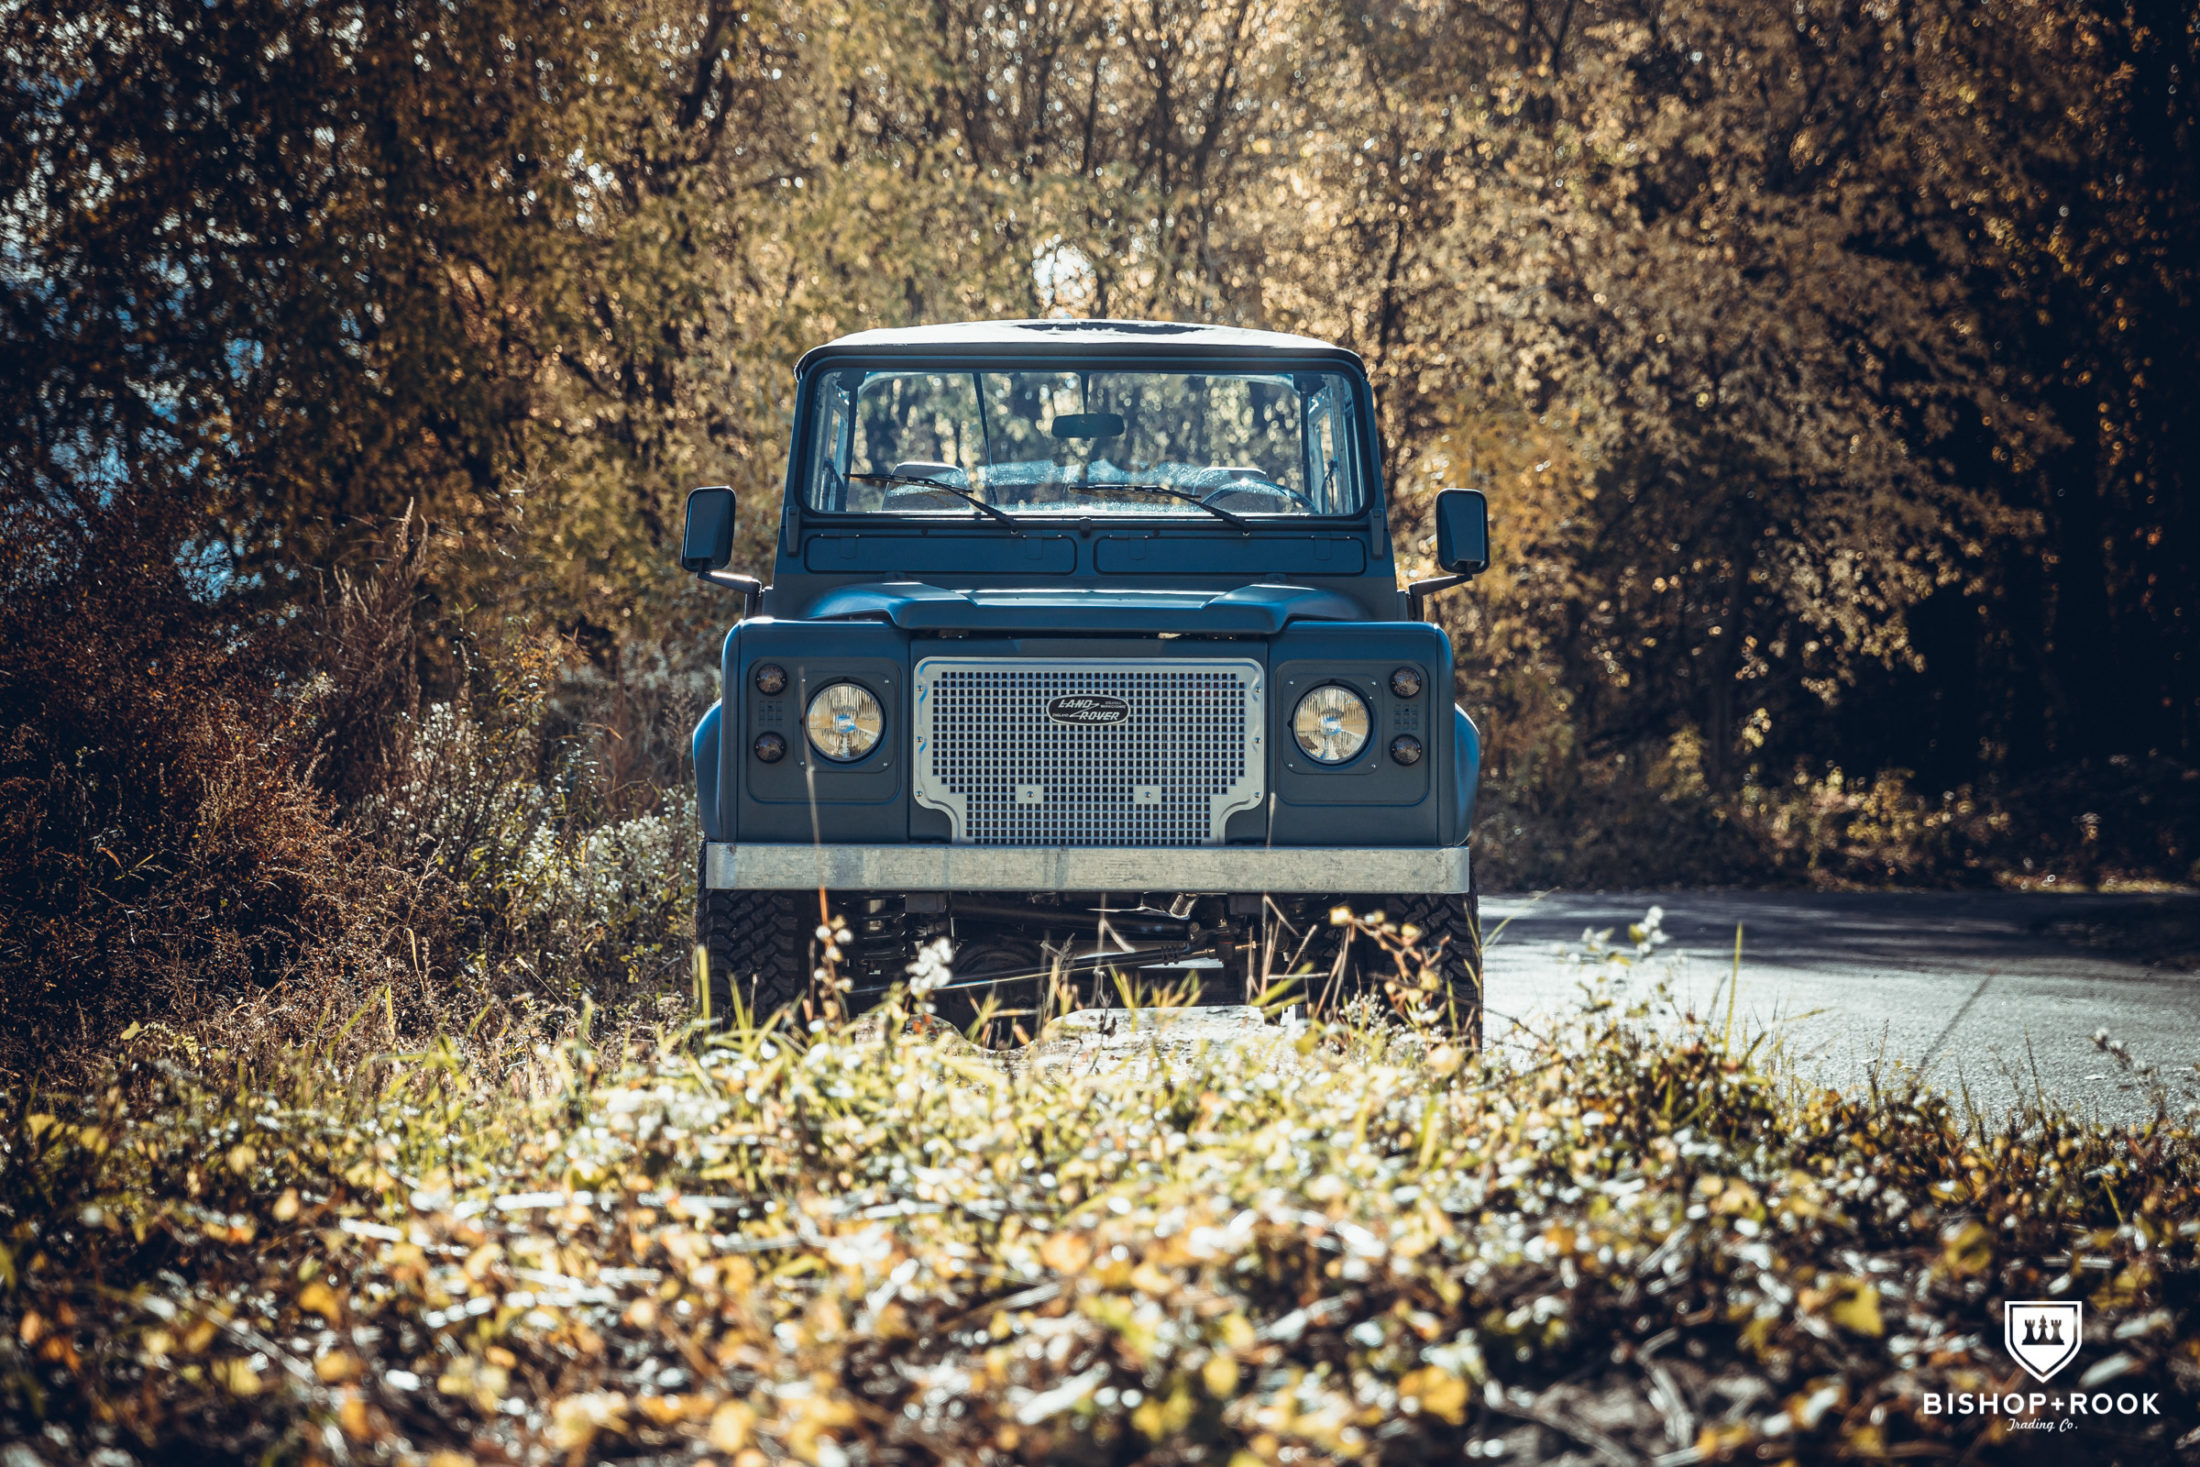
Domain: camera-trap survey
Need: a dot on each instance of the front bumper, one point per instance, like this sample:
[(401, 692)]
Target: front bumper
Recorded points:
[(1322, 871)]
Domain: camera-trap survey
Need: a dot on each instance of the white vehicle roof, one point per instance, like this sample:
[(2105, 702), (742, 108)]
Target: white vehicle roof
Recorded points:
[(1054, 336)]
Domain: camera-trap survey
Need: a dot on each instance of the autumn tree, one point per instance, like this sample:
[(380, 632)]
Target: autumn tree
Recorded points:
[(1826, 362)]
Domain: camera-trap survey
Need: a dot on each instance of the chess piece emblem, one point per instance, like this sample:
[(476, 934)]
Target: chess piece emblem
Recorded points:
[(2042, 1335)]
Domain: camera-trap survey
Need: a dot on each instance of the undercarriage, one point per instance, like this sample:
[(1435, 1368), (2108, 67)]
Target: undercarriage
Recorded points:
[(999, 938), (1013, 958)]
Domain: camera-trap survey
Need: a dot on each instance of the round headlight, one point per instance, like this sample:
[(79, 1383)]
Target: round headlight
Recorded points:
[(1331, 724), (844, 722)]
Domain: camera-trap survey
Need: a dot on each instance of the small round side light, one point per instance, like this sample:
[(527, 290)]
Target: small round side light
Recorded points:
[(1406, 682), (771, 679), (770, 747), (1406, 749)]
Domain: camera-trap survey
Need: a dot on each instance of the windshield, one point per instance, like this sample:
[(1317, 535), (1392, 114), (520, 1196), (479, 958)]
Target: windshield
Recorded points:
[(1117, 443)]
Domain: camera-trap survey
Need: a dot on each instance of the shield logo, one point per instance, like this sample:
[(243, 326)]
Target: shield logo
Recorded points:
[(2042, 1335)]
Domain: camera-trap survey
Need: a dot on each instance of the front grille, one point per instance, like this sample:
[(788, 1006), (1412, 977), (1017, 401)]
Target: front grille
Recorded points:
[(1184, 756)]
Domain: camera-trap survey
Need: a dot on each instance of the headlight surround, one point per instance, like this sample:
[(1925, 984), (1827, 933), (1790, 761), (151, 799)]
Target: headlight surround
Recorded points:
[(844, 722), (1331, 724)]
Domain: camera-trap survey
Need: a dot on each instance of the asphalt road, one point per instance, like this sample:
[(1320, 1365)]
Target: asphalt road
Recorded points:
[(1989, 991)]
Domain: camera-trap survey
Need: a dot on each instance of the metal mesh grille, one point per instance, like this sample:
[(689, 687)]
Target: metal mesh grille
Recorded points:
[(1169, 774)]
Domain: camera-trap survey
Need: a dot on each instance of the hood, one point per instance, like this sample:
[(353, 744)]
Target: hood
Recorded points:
[(919, 606)]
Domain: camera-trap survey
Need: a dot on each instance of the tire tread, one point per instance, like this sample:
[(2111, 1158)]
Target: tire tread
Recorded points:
[(1454, 922), (758, 940)]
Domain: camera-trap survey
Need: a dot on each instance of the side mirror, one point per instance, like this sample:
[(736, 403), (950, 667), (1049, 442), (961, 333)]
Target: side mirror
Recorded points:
[(1462, 546), (1462, 531), (708, 543)]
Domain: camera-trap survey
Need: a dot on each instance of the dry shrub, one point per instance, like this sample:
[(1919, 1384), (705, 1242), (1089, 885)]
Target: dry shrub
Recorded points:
[(162, 852), (360, 652), (2125, 815), (1643, 817), (248, 825), (560, 860), (631, 706), (1648, 816)]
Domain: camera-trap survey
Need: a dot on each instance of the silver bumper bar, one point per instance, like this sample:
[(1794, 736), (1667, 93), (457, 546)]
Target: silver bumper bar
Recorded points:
[(1322, 871)]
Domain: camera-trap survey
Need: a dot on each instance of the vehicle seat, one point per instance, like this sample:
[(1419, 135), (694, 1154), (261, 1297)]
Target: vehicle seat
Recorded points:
[(909, 496), (1253, 497)]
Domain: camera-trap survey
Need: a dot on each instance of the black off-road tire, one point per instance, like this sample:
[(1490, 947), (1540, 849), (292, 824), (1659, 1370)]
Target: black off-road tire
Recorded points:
[(1451, 931), (758, 942), (1016, 999)]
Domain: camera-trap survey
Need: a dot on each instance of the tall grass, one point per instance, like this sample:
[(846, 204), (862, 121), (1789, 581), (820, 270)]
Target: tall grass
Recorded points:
[(1630, 1239)]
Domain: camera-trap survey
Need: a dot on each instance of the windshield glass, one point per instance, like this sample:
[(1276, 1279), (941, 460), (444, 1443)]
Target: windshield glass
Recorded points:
[(1119, 443)]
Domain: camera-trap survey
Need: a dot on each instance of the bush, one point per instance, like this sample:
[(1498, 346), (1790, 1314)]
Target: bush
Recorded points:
[(163, 852), (563, 869), (1648, 817), (243, 825)]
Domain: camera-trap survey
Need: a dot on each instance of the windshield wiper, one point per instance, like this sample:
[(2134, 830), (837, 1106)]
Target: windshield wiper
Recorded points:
[(1173, 493), (893, 480)]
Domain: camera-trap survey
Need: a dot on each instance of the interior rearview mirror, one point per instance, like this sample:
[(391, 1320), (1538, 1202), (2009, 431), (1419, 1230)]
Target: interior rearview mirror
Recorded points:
[(707, 544), (1087, 425), (1462, 531)]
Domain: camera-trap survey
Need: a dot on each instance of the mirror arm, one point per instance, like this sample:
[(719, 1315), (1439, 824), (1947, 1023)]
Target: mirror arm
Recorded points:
[(1418, 592), (751, 589)]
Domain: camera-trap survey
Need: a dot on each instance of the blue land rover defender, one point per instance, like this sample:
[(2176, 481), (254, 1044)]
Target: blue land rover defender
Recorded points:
[(1085, 650)]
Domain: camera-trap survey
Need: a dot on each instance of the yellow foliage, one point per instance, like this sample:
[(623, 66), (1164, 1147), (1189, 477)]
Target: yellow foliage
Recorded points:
[(1441, 1394), (1856, 1309), (730, 1427)]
